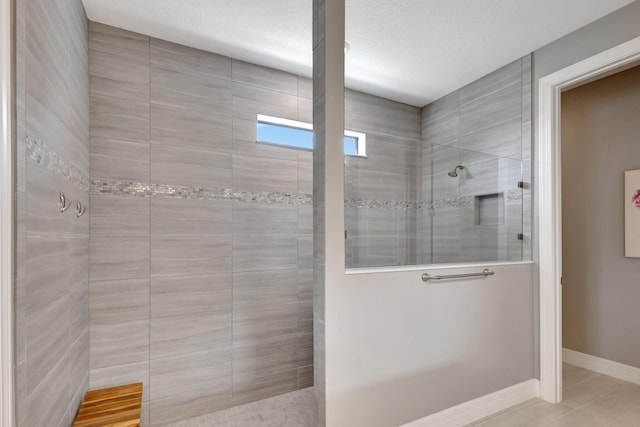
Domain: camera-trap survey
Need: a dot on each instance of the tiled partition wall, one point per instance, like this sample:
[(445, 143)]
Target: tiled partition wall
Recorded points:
[(486, 126), (201, 239), (52, 306)]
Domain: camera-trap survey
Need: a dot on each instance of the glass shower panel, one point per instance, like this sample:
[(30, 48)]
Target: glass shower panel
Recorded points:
[(440, 182), (473, 206), (490, 208), (381, 203), (444, 207), (431, 204)]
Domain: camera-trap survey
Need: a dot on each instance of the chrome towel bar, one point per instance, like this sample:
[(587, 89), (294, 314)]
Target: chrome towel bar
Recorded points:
[(486, 272)]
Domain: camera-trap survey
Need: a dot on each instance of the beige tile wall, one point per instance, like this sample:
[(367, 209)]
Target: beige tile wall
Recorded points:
[(52, 315)]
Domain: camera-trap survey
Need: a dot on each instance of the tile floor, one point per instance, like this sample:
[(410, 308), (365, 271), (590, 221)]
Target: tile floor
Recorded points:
[(296, 409), (590, 400)]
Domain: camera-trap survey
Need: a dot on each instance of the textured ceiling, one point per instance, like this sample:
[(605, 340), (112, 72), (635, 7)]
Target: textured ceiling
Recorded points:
[(413, 51)]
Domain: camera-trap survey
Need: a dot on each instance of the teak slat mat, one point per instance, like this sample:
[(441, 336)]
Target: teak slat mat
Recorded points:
[(111, 407)]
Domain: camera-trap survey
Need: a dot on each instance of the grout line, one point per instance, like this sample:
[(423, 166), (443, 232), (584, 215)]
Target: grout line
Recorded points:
[(297, 208), (580, 407), (506, 411), (583, 381), (148, 64), (631, 409), (231, 272)]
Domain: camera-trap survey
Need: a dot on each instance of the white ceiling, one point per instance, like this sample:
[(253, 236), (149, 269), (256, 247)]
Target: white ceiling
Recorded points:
[(414, 51)]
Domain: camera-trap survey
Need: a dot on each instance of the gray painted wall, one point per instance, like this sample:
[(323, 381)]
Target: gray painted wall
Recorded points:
[(52, 294), (607, 32), (422, 348), (600, 131)]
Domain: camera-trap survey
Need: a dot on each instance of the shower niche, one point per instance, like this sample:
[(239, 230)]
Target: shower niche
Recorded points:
[(489, 209)]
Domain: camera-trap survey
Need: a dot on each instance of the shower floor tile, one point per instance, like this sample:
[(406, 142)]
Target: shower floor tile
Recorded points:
[(296, 409)]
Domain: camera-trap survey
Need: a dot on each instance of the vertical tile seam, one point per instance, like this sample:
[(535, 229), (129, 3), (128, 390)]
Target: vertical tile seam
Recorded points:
[(67, 239), (148, 63), (233, 234), (24, 51), (458, 148), (521, 108), (298, 233), (89, 196)]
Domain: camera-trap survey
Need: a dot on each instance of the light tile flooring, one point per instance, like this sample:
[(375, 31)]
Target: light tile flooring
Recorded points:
[(590, 400), (296, 409)]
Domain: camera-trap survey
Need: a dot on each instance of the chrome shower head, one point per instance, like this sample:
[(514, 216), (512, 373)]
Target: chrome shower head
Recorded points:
[(454, 172)]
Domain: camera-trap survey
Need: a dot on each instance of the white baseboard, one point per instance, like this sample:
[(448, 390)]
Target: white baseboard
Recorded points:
[(602, 366), (476, 409)]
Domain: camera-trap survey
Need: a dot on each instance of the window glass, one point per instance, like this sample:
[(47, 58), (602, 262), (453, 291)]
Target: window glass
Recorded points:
[(285, 135), (351, 145), (291, 133)]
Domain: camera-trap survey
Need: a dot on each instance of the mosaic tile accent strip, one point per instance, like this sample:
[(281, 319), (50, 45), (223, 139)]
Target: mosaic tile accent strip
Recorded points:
[(141, 189), (48, 159), (38, 152), (512, 196), (383, 204), (453, 202)]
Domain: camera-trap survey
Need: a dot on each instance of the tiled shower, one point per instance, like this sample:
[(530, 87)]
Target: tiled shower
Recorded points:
[(200, 269), (193, 269), (200, 250)]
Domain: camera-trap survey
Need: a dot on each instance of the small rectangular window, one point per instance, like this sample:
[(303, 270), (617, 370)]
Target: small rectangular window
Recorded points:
[(351, 145), (291, 133)]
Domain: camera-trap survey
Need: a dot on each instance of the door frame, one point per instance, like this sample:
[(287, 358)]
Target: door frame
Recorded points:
[(549, 192), (7, 117)]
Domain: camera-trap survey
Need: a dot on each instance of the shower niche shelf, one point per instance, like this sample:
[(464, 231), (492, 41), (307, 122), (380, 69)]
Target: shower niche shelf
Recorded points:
[(489, 209)]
